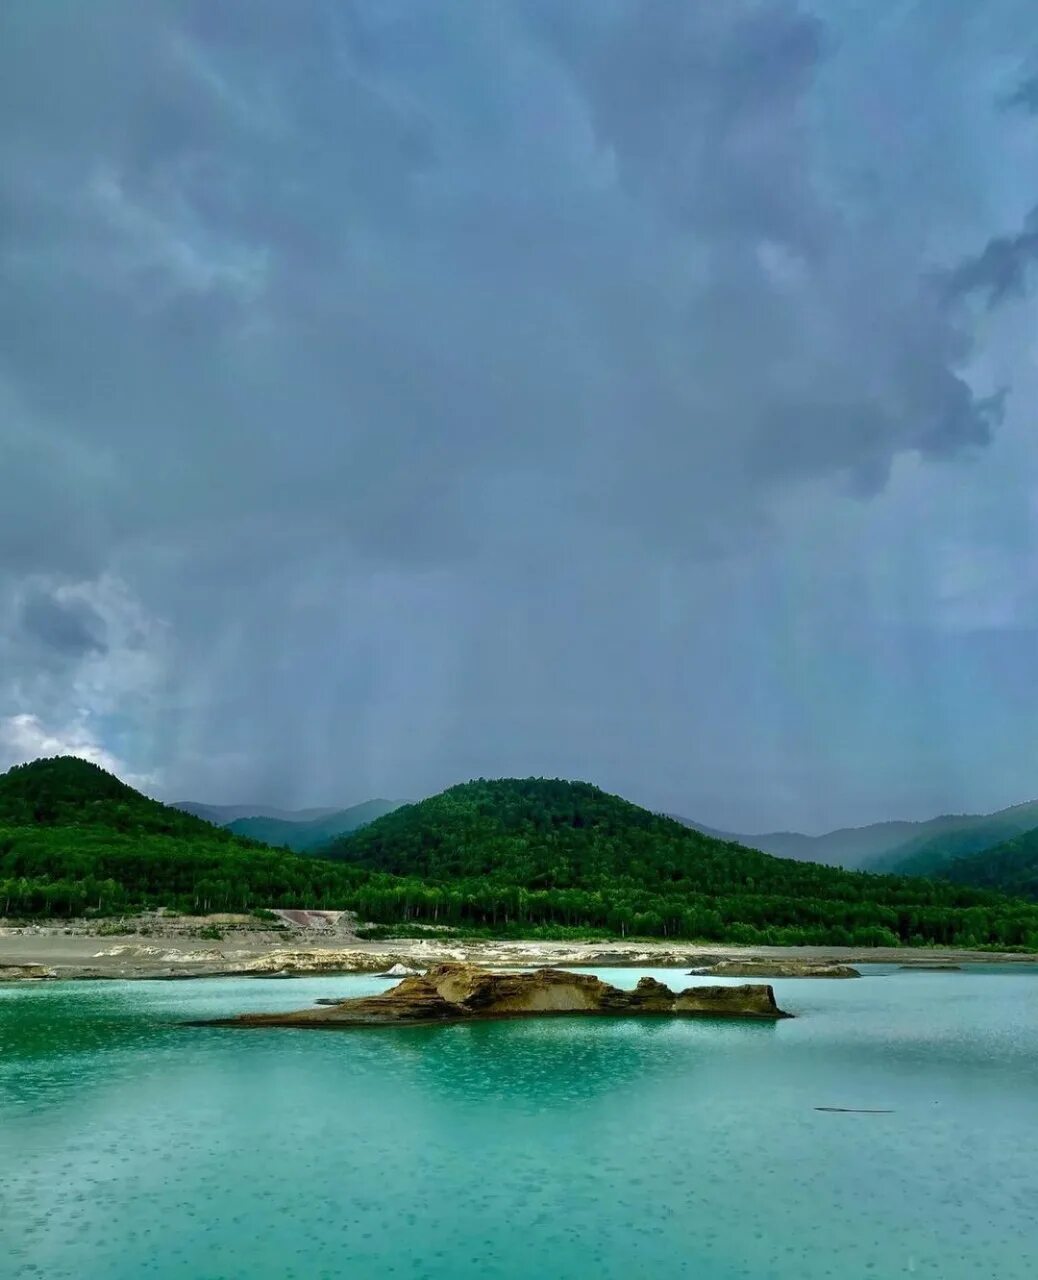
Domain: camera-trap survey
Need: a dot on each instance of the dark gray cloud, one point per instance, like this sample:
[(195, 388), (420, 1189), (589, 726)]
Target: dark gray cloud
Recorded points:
[(415, 392), (70, 627), (1002, 269), (1024, 96)]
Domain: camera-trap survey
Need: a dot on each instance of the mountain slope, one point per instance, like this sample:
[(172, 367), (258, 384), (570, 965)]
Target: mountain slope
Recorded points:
[(74, 838), (973, 834), (315, 832), (64, 791), (1010, 867), (854, 848), (909, 848)]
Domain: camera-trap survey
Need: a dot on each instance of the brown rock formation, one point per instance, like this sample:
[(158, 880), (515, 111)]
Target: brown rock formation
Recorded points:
[(25, 972), (462, 993), (778, 969)]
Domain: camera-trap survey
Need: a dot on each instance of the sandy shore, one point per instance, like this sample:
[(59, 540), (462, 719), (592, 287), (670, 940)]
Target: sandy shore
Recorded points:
[(53, 953)]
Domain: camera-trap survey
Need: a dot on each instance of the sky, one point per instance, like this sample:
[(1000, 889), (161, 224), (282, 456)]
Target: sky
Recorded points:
[(395, 393)]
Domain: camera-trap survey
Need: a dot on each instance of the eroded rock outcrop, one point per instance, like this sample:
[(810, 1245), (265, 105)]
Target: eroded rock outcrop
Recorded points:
[(25, 973), (777, 969), (463, 993)]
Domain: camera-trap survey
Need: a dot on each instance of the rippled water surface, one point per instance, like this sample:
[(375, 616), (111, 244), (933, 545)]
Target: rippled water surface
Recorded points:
[(131, 1146)]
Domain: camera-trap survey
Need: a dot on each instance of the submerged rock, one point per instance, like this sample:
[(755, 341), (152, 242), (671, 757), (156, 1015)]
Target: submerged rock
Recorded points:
[(933, 968), (777, 969), (463, 993)]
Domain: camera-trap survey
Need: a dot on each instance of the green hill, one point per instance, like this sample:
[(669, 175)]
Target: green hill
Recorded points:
[(73, 838), (930, 852), (1010, 867), (515, 856), (548, 852), (314, 832), (68, 792)]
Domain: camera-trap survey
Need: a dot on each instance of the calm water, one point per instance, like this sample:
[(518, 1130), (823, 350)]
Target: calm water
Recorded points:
[(563, 1150)]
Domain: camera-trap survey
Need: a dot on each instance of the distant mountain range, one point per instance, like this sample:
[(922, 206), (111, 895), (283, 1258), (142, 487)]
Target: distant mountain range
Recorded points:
[(222, 814), (301, 829), (907, 848)]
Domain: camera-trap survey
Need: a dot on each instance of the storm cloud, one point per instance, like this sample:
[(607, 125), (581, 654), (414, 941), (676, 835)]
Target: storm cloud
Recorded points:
[(396, 393)]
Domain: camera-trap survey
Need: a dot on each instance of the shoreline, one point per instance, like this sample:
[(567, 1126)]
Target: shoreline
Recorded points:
[(37, 953)]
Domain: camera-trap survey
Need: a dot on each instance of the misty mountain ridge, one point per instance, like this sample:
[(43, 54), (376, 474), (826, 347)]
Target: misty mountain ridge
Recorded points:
[(298, 829), (223, 814), (312, 834), (905, 847)]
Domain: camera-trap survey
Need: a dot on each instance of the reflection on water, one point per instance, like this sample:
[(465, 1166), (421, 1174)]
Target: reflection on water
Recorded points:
[(567, 1148)]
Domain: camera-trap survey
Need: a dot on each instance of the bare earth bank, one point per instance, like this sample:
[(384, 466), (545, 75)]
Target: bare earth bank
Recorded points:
[(77, 951)]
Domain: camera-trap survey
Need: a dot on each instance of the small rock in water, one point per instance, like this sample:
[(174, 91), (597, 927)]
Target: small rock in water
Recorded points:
[(754, 968)]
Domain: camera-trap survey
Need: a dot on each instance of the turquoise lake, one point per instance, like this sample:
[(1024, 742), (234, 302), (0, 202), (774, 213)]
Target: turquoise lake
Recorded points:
[(566, 1149)]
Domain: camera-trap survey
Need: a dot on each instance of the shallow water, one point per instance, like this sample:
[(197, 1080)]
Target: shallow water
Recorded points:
[(557, 1150)]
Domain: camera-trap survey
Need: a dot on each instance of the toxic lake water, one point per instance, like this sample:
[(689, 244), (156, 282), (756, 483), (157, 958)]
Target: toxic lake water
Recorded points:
[(565, 1149)]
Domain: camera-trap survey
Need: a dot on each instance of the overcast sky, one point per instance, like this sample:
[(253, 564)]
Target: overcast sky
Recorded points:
[(396, 393)]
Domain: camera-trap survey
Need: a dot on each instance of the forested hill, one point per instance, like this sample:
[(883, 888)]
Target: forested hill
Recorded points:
[(73, 837), (548, 833), (520, 857), (1011, 867), (576, 853), (64, 791)]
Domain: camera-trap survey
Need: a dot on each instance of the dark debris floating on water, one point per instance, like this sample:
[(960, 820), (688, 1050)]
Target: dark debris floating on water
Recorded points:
[(860, 1111)]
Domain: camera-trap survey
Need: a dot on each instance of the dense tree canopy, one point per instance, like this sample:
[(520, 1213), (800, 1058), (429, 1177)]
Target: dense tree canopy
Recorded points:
[(553, 852), (511, 856), (1011, 867)]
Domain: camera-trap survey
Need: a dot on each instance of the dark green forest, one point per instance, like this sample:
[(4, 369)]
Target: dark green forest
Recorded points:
[(1011, 867), (529, 856)]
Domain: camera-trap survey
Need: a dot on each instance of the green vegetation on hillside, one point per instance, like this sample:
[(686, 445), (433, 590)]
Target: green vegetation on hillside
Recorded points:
[(900, 848), (1011, 867), (513, 856), (539, 852), (74, 838), (929, 854)]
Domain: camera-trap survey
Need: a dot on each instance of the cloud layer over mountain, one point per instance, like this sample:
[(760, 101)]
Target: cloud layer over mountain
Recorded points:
[(396, 393)]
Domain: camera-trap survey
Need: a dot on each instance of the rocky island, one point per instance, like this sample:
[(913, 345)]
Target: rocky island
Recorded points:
[(464, 993)]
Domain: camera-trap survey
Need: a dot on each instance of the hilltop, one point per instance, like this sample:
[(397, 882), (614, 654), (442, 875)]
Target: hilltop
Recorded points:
[(64, 791), (73, 838)]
